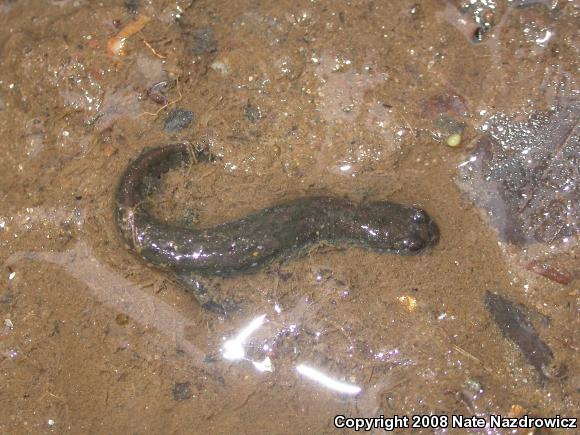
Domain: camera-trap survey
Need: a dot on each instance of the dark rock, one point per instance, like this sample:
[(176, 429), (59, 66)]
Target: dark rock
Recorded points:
[(132, 6), (177, 120), (7, 297), (182, 391), (203, 41), (122, 319), (210, 359), (478, 34), (158, 91), (252, 113), (513, 322)]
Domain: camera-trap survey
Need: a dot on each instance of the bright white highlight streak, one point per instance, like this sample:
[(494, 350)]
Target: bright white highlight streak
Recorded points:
[(233, 349), (328, 382), (546, 38), (264, 366), (471, 160)]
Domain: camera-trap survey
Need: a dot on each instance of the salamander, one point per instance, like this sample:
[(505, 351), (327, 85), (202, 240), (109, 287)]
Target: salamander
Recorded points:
[(255, 240)]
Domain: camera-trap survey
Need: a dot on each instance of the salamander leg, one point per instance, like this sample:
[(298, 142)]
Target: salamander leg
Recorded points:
[(200, 288)]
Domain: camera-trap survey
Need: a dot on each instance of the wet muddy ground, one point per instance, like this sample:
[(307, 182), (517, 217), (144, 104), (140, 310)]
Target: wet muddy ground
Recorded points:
[(468, 109)]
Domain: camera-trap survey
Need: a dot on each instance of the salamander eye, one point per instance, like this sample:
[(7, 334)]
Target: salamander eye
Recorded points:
[(419, 216), (413, 245)]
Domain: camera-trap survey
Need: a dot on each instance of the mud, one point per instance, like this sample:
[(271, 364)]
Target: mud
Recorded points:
[(353, 100)]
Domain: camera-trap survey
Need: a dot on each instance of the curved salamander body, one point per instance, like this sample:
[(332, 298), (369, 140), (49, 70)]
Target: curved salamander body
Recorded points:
[(256, 239)]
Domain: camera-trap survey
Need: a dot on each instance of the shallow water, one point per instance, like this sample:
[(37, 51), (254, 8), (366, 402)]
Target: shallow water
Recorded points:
[(354, 99)]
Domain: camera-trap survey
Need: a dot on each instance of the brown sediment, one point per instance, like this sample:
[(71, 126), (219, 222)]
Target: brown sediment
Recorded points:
[(350, 100)]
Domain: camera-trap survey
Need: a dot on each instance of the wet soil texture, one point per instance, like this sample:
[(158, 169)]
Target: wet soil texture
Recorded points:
[(467, 109)]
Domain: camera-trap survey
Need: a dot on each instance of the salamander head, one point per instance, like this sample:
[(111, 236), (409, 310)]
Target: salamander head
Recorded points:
[(398, 228)]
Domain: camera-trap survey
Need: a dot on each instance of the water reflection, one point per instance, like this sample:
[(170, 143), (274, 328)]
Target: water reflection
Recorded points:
[(233, 349), (327, 381)]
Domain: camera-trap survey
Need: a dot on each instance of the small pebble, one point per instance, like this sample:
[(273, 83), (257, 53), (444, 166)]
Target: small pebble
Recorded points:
[(158, 91), (488, 18), (109, 150), (454, 140), (122, 319), (473, 385), (132, 6), (7, 297), (478, 34), (182, 391), (222, 67), (203, 41), (8, 323), (177, 120), (252, 113)]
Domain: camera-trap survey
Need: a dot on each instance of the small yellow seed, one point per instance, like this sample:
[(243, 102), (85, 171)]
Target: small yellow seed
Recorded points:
[(409, 302), (454, 140)]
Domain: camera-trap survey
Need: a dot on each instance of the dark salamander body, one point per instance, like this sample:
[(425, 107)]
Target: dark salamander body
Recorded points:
[(256, 239)]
